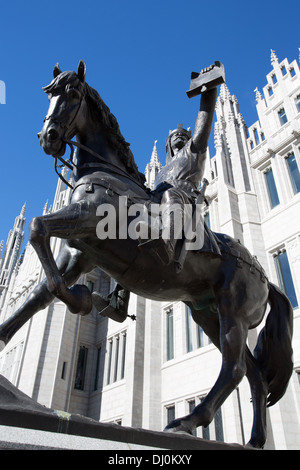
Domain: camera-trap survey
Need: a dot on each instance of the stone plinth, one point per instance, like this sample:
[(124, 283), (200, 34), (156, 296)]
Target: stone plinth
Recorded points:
[(25, 424)]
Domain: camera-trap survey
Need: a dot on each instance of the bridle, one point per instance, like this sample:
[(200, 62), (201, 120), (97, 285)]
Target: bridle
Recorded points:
[(69, 163)]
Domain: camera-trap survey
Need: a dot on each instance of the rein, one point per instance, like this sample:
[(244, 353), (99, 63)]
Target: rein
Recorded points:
[(70, 164)]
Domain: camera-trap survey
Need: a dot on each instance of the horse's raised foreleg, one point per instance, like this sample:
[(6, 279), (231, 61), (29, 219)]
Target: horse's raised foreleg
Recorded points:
[(72, 221), (71, 264), (232, 342)]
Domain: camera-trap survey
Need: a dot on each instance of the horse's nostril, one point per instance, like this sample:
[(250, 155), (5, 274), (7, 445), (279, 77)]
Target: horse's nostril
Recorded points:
[(52, 134), (39, 134)]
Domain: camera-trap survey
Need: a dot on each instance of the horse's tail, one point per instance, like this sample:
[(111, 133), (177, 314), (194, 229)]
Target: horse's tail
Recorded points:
[(274, 345)]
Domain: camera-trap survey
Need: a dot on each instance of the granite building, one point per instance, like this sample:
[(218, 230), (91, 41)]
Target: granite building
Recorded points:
[(147, 371)]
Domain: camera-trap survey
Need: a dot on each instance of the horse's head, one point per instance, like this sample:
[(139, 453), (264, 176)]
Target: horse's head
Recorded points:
[(77, 109), (65, 113)]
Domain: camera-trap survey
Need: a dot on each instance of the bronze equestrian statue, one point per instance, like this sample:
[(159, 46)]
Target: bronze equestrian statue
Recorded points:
[(222, 283)]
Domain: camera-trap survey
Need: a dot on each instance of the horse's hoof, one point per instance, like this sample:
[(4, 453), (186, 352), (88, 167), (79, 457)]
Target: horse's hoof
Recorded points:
[(2, 345), (83, 300), (178, 426), (255, 445)]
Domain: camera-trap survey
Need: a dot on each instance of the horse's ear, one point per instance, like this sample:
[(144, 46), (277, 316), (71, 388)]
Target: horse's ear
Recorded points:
[(81, 72), (56, 70)]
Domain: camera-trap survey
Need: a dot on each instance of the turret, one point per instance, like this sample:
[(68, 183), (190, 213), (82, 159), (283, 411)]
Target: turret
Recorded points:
[(152, 168), (12, 249)]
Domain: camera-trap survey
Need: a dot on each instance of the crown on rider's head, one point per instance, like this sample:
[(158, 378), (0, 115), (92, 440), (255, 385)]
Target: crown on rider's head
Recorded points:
[(180, 128)]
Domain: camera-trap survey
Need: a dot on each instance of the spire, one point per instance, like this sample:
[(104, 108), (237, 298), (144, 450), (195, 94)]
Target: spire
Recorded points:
[(45, 208), (154, 160), (258, 95), (274, 57), (12, 250), (153, 167), (224, 92), (22, 213)]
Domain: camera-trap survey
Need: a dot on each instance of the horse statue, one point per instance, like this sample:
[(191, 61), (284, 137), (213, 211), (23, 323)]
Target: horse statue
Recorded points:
[(226, 289)]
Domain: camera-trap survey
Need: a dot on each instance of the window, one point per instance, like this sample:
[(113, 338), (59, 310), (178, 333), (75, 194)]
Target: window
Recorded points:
[(116, 353), (207, 219), (270, 91), (110, 346), (170, 335), (294, 172), (272, 191), (64, 370), (192, 405), (96, 381), (201, 339), (170, 413), (292, 72), (274, 78), (297, 101), (285, 276), (215, 429), (262, 136), (189, 331), (81, 368), (219, 426), (11, 362), (283, 70), (256, 136), (216, 168), (282, 116), (117, 347), (123, 356)]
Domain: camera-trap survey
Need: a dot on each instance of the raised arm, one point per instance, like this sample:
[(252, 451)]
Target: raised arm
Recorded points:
[(204, 120), (205, 83)]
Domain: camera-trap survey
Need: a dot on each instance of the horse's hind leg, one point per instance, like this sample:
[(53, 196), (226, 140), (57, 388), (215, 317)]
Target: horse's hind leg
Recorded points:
[(232, 342), (259, 391), (72, 221), (71, 264)]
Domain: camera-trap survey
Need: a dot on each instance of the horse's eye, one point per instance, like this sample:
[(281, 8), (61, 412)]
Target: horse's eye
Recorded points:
[(73, 94)]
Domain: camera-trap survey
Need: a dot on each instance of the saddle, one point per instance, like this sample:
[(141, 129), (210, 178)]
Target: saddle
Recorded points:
[(230, 247)]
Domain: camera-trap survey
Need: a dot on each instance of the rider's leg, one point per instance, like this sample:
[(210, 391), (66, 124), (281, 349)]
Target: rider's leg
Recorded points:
[(70, 222), (171, 229), (172, 220), (71, 264)]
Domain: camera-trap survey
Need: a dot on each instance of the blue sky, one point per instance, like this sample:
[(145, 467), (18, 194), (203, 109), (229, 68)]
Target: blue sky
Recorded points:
[(139, 56)]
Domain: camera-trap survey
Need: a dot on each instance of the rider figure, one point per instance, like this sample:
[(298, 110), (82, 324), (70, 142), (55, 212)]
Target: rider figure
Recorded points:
[(180, 178), (179, 182)]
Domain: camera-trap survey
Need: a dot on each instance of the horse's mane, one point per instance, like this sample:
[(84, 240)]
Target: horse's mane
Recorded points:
[(102, 113)]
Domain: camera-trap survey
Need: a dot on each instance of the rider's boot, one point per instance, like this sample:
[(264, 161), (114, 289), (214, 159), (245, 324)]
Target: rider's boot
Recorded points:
[(162, 250), (114, 305)]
